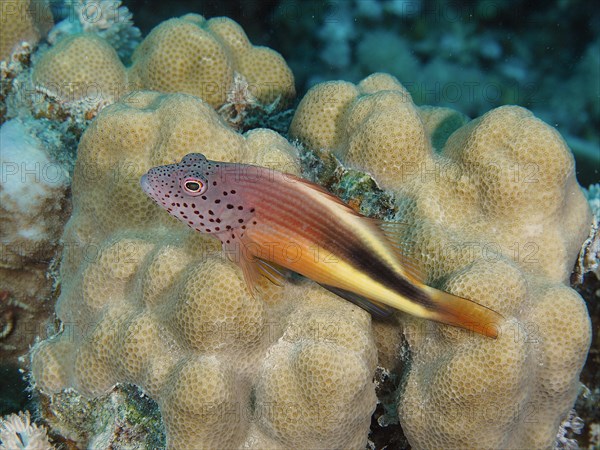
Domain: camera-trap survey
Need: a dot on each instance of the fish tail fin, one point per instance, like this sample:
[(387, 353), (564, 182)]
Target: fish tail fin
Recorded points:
[(461, 312)]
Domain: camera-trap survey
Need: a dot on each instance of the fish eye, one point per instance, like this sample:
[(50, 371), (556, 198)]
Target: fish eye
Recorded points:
[(194, 186)]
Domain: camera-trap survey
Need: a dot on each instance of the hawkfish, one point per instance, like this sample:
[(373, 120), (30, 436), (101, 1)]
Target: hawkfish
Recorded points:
[(269, 222)]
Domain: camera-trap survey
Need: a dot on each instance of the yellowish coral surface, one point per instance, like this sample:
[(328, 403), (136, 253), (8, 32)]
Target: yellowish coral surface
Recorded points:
[(23, 21), (494, 215), (81, 66), (147, 301), (189, 55), (198, 56)]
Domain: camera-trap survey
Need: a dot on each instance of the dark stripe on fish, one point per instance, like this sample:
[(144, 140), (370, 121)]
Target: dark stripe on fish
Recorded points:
[(365, 261)]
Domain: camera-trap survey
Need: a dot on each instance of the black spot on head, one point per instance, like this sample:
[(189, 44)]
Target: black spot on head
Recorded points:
[(225, 193), (233, 191), (204, 197), (229, 206), (218, 200), (207, 230), (210, 211), (217, 228), (254, 222), (241, 220), (214, 183), (211, 220), (218, 220), (185, 205), (240, 207), (251, 209)]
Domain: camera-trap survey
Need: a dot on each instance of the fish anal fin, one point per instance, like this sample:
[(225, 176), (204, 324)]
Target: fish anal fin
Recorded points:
[(396, 234), (376, 309)]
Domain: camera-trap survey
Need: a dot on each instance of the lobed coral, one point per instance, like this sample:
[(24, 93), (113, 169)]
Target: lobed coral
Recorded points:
[(61, 74), (187, 55), (23, 21), (198, 56), (159, 307), (493, 212), (149, 302), (496, 216)]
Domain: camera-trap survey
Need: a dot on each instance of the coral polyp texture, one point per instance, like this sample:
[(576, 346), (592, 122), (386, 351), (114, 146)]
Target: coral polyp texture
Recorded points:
[(149, 302), (189, 55), (198, 56), (23, 21), (493, 213), (61, 73)]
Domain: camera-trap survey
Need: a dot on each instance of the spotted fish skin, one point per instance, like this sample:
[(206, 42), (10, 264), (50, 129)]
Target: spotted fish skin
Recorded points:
[(220, 210), (262, 216)]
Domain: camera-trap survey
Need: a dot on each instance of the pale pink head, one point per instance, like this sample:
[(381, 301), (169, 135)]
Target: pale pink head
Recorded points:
[(202, 194)]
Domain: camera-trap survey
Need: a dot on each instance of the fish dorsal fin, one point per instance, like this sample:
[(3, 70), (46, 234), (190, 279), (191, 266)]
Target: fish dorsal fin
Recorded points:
[(321, 190), (376, 309), (398, 236)]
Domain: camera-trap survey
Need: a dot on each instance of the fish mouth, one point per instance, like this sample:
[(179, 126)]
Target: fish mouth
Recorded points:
[(145, 183)]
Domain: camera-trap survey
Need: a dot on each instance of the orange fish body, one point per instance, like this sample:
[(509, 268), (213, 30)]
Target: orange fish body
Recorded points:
[(267, 219)]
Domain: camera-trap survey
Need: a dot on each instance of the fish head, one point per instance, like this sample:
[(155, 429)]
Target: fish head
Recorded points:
[(197, 192), (186, 179)]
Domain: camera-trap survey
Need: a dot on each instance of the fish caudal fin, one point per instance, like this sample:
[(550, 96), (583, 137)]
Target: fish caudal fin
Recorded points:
[(461, 312)]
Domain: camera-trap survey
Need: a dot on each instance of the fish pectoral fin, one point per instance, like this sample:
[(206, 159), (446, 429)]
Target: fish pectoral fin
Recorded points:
[(272, 272), (251, 273), (255, 268), (376, 309)]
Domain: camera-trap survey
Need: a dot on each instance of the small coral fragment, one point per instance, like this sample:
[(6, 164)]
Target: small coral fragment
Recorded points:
[(18, 433)]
